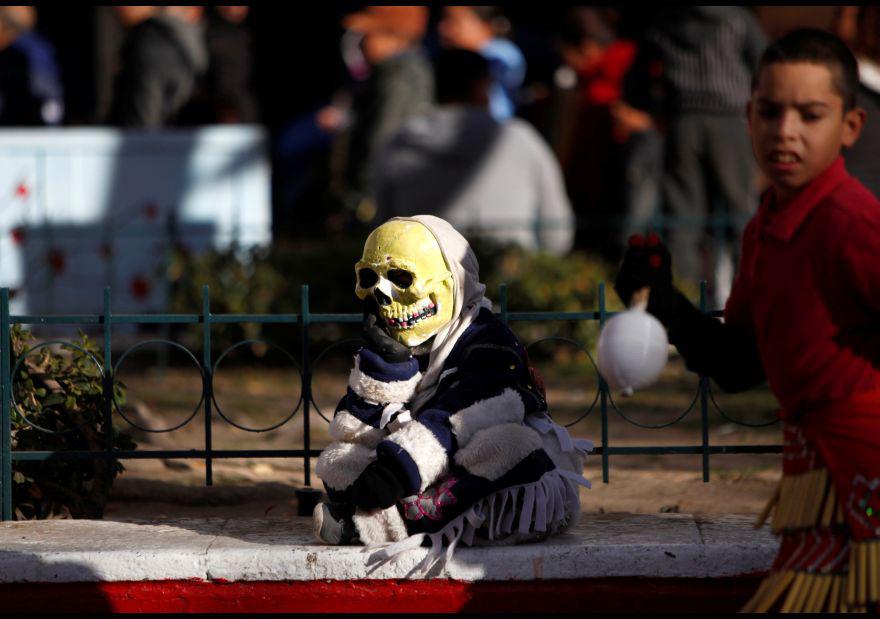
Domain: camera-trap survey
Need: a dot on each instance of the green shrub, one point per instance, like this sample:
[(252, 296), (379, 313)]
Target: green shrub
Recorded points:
[(266, 281), (538, 282), (61, 392)]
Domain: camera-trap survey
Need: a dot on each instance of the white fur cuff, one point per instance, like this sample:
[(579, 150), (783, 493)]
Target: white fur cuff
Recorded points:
[(504, 408), (425, 450), (494, 451), (340, 464), (347, 428), (380, 392), (379, 526)]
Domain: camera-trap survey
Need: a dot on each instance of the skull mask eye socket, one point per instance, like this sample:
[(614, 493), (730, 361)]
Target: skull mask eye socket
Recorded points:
[(400, 278), (367, 278)]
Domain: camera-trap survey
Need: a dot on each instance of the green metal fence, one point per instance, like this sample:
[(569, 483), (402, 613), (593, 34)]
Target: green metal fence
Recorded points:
[(603, 401)]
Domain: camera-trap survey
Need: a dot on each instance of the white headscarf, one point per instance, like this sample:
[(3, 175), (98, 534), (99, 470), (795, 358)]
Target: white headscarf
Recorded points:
[(468, 299)]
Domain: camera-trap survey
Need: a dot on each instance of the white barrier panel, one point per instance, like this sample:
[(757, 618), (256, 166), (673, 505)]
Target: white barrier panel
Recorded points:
[(81, 209)]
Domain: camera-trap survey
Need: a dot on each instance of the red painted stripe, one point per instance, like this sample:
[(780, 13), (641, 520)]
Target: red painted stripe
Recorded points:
[(592, 595)]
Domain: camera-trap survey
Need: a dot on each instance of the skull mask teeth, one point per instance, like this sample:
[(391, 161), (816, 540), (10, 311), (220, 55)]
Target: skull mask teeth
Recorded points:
[(407, 317), (403, 269)]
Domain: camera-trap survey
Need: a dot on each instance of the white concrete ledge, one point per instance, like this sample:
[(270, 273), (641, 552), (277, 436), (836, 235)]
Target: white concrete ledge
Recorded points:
[(276, 549)]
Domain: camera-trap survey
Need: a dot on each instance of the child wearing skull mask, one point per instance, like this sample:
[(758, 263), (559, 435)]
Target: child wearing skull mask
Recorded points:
[(453, 440)]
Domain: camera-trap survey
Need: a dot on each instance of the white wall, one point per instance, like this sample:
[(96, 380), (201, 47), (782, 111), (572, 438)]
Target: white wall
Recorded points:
[(102, 202)]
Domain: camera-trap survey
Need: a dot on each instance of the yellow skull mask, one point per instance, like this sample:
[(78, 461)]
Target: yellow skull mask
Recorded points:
[(404, 270)]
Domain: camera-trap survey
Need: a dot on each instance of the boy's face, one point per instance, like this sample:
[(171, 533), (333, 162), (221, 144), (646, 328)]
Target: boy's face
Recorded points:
[(798, 125)]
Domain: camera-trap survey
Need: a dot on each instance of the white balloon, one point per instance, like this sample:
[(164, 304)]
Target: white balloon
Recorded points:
[(633, 350)]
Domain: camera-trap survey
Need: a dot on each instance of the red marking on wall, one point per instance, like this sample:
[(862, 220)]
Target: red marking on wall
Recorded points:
[(537, 596), (22, 191), (18, 235), (140, 287), (57, 261), (150, 211)]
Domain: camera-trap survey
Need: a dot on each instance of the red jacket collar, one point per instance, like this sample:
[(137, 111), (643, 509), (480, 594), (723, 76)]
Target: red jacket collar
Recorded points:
[(784, 223)]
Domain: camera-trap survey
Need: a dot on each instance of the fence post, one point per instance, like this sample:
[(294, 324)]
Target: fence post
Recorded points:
[(603, 392), (307, 383), (502, 302), (704, 393), (209, 380), (5, 422)]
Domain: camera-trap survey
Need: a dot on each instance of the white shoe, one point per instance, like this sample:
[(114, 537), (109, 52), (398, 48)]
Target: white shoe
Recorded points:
[(327, 529), (330, 530)]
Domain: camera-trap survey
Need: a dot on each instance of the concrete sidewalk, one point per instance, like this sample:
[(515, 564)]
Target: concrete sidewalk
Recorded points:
[(275, 549)]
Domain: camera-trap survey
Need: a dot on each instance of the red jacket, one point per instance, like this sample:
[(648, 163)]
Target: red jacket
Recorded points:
[(808, 288), (603, 82)]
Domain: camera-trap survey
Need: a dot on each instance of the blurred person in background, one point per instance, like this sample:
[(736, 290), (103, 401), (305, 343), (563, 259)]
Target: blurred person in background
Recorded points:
[(163, 56), (397, 84), (859, 27), (225, 93), (130, 16), (708, 55), (609, 149), (495, 179), (30, 81), (483, 29)]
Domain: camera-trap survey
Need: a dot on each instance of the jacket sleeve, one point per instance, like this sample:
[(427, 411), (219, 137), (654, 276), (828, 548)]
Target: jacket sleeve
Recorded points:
[(489, 391), (357, 428), (859, 259), (373, 384), (726, 352)]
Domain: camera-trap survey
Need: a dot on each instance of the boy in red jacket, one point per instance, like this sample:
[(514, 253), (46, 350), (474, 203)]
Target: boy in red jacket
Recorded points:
[(804, 314)]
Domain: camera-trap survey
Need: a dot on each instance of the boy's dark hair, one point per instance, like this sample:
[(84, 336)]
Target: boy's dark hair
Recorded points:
[(816, 47), (458, 73)]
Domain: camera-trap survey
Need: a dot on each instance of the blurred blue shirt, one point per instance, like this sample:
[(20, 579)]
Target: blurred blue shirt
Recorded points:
[(45, 75), (508, 68)]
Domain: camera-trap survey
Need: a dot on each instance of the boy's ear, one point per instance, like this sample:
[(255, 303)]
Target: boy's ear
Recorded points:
[(853, 122)]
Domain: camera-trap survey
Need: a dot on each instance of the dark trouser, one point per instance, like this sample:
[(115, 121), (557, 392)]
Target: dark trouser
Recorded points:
[(643, 171), (709, 169)]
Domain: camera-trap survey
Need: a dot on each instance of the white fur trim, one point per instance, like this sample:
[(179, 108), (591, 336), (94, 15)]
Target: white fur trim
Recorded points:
[(380, 526), (347, 428), (370, 527), (494, 451), (395, 525), (425, 450), (380, 392), (341, 463), (504, 408)]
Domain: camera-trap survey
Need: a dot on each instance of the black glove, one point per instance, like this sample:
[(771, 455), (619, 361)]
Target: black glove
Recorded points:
[(378, 340), (647, 263), (709, 347), (377, 487)]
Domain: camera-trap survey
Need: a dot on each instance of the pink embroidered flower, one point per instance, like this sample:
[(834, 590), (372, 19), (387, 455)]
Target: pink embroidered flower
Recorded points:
[(430, 503)]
